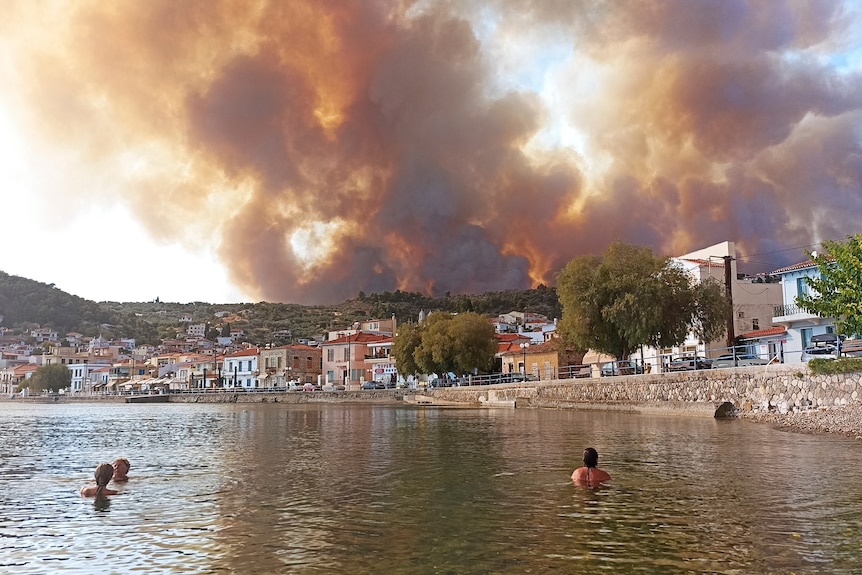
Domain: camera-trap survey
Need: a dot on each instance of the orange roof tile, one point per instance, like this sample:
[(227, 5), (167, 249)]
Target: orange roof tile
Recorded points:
[(777, 330), (361, 337), (794, 267)]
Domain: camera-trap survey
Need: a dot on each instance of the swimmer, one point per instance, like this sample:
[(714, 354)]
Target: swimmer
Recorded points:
[(121, 469), (590, 474), (104, 473)]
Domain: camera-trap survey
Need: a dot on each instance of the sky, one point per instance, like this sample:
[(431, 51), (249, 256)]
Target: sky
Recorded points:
[(302, 151)]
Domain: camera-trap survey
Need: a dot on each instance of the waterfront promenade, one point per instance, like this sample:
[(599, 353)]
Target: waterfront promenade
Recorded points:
[(786, 395)]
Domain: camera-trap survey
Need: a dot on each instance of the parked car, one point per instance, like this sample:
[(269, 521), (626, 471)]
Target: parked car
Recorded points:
[(621, 367), (446, 381), (739, 360), (827, 351), (373, 385), (689, 362), (309, 387)]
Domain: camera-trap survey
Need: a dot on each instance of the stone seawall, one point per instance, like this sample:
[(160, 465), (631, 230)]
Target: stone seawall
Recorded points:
[(780, 387), (365, 396)]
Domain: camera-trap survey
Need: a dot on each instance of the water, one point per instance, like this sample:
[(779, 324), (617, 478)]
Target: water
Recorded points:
[(275, 488)]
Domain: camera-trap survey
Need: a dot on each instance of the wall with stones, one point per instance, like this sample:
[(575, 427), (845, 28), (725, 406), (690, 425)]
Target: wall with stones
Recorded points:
[(781, 387), (365, 396)]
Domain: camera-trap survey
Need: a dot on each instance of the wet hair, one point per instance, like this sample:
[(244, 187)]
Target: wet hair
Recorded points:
[(124, 461), (591, 457), (103, 474)]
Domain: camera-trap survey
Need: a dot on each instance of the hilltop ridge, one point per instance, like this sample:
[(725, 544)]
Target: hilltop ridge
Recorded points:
[(25, 304)]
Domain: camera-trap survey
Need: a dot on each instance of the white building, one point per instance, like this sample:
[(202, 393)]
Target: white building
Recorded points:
[(241, 369)]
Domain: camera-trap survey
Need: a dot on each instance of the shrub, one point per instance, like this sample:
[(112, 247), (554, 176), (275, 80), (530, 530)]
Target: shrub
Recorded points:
[(822, 366)]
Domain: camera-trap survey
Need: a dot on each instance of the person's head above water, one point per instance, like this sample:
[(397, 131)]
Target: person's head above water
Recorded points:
[(103, 474), (591, 457), (121, 469)]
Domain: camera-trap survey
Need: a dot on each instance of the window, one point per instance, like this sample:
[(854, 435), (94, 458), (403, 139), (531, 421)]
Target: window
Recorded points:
[(330, 355), (309, 363), (296, 362), (755, 323), (802, 286), (346, 354)]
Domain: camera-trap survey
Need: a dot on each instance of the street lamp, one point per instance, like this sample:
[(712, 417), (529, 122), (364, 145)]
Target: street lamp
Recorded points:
[(524, 347)]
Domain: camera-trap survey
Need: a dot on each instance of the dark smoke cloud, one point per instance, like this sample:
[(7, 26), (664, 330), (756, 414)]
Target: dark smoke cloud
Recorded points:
[(405, 145)]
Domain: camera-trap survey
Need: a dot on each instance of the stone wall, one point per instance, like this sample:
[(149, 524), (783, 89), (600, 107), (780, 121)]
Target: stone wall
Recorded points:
[(365, 396), (780, 387)]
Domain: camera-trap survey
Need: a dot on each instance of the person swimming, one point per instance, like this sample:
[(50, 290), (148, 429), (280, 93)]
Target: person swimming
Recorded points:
[(590, 474), (121, 469), (103, 474)]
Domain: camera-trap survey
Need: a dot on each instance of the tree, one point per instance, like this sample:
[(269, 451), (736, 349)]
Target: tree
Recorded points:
[(404, 345), (837, 293), (53, 377), (630, 297), (474, 343), (434, 352), (445, 342)]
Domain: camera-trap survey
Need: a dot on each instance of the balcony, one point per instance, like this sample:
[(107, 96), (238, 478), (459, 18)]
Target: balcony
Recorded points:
[(788, 314)]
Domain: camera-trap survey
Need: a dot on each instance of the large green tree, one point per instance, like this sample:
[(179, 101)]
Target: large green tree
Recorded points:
[(630, 297), (52, 377), (408, 338), (445, 342), (837, 293)]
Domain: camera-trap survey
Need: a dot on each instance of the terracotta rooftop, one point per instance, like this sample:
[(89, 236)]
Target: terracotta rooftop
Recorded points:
[(794, 267), (777, 330), (245, 352), (361, 337)]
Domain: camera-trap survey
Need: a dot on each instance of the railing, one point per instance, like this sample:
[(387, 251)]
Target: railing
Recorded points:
[(788, 309)]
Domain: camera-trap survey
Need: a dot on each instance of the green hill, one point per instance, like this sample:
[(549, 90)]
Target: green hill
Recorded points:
[(26, 303)]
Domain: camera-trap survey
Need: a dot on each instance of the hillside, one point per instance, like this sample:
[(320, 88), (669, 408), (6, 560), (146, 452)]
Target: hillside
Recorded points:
[(26, 303)]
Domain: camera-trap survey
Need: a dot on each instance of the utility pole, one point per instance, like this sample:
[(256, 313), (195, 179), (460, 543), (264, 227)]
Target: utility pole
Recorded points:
[(728, 290)]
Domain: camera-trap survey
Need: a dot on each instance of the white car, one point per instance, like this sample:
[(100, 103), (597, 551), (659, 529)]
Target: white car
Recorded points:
[(819, 351), (740, 360)]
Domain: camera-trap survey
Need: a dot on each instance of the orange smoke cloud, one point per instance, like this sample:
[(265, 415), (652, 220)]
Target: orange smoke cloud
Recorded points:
[(333, 146)]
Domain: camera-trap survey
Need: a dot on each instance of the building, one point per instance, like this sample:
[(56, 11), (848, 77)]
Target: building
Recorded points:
[(540, 360), (799, 324), (241, 368), (345, 358), (753, 298), (295, 362)]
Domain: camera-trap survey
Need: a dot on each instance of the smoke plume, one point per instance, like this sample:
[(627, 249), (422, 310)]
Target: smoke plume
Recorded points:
[(333, 146)]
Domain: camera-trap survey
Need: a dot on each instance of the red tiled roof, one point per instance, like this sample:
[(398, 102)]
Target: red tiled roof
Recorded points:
[(243, 353), (361, 337), (777, 330), (511, 347), (511, 336), (794, 267)]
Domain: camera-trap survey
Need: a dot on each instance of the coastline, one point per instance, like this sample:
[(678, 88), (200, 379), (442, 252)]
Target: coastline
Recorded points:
[(843, 419), (839, 419)]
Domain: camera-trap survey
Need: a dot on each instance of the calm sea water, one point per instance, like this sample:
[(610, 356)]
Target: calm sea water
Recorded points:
[(277, 488)]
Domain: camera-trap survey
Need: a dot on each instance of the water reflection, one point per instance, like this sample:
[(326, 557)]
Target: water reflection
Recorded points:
[(366, 489)]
